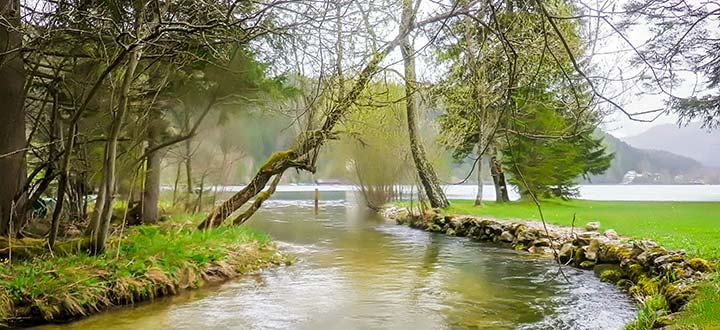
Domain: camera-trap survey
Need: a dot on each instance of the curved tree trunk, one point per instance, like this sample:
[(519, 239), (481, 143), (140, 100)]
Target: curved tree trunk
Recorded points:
[(297, 157), (428, 177), (12, 119)]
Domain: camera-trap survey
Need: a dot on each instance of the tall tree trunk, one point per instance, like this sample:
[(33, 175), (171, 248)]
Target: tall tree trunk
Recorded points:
[(479, 196), (426, 172), (12, 119), (188, 173), (108, 173), (151, 189), (178, 172), (501, 192)]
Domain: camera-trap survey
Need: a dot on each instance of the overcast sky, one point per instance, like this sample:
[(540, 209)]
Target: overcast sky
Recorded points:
[(613, 56)]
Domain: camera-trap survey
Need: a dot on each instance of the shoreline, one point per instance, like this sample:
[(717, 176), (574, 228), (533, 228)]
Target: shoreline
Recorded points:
[(46, 290), (642, 268)]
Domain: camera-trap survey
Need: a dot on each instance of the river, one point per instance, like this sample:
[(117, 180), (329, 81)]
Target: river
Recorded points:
[(359, 272)]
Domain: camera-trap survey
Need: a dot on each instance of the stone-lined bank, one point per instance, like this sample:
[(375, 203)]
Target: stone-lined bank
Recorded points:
[(641, 267)]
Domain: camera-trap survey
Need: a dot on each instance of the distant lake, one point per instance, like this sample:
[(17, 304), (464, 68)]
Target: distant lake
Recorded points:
[(589, 192)]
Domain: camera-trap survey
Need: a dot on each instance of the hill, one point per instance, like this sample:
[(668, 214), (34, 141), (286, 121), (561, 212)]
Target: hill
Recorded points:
[(665, 165), (689, 141)]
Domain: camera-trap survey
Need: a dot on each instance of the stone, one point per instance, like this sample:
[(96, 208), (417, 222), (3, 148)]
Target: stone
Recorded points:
[(506, 236), (587, 264), (668, 258), (585, 238), (611, 234), (450, 232), (700, 265), (592, 226), (525, 235), (677, 294), (433, 228), (592, 249), (609, 272), (540, 250), (566, 252), (541, 242)]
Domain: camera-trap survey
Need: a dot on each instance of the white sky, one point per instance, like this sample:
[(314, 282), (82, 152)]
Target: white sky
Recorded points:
[(613, 56)]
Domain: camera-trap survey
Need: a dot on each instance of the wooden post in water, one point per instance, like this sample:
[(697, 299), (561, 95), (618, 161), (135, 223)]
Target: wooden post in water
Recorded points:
[(317, 196)]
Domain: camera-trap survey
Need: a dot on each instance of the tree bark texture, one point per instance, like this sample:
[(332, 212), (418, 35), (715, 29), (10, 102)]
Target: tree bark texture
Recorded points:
[(12, 119), (151, 188), (426, 172)]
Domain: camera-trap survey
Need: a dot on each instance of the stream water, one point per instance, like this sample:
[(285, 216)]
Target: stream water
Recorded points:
[(359, 272)]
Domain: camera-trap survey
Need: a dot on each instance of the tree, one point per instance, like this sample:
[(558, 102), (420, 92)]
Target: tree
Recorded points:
[(547, 166), (12, 124), (684, 43), (425, 170)]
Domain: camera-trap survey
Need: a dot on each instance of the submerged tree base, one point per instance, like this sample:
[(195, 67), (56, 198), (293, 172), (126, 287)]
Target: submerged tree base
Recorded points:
[(149, 262)]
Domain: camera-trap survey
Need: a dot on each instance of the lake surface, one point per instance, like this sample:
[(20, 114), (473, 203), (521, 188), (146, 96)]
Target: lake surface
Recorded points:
[(359, 272), (590, 192)]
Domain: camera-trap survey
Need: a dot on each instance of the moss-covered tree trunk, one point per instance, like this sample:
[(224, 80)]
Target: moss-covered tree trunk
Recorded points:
[(426, 172), (297, 156), (12, 119)]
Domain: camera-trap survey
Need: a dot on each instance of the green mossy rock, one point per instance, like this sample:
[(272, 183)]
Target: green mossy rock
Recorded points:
[(587, 264), (609, 272), (701, 265)]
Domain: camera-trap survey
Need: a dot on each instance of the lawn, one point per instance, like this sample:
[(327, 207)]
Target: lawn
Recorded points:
[(691, 226)]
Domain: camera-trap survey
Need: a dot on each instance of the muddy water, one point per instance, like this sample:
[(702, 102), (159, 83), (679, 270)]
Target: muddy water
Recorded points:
[(358, 272)]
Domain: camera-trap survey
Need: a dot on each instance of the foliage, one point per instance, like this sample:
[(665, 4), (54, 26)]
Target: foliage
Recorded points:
[(548, 152), (374, 151)]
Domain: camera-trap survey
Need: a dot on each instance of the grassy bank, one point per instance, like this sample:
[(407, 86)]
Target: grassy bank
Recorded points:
[(147, 262), (690, 226)]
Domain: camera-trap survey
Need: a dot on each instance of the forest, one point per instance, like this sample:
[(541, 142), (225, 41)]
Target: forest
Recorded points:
[(127, 113)]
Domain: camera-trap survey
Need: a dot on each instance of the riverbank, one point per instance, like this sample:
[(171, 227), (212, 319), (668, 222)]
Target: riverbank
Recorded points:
[(688, 226), (148, 262), (662, 280)]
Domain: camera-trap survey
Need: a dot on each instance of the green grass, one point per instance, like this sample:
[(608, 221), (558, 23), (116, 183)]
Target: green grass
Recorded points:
[(149, 261), (703, 311), (691, 226)]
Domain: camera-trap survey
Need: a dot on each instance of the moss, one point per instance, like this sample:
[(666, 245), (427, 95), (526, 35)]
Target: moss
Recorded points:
[(635, 271), (625, 284), (646, 286), (677, 295), (609, 272), (274, 158), (587, 264), (578, 256), (701, 265), (520, 247)]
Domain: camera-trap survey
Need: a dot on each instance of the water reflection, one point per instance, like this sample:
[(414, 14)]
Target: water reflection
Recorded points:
[(361, 273)]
